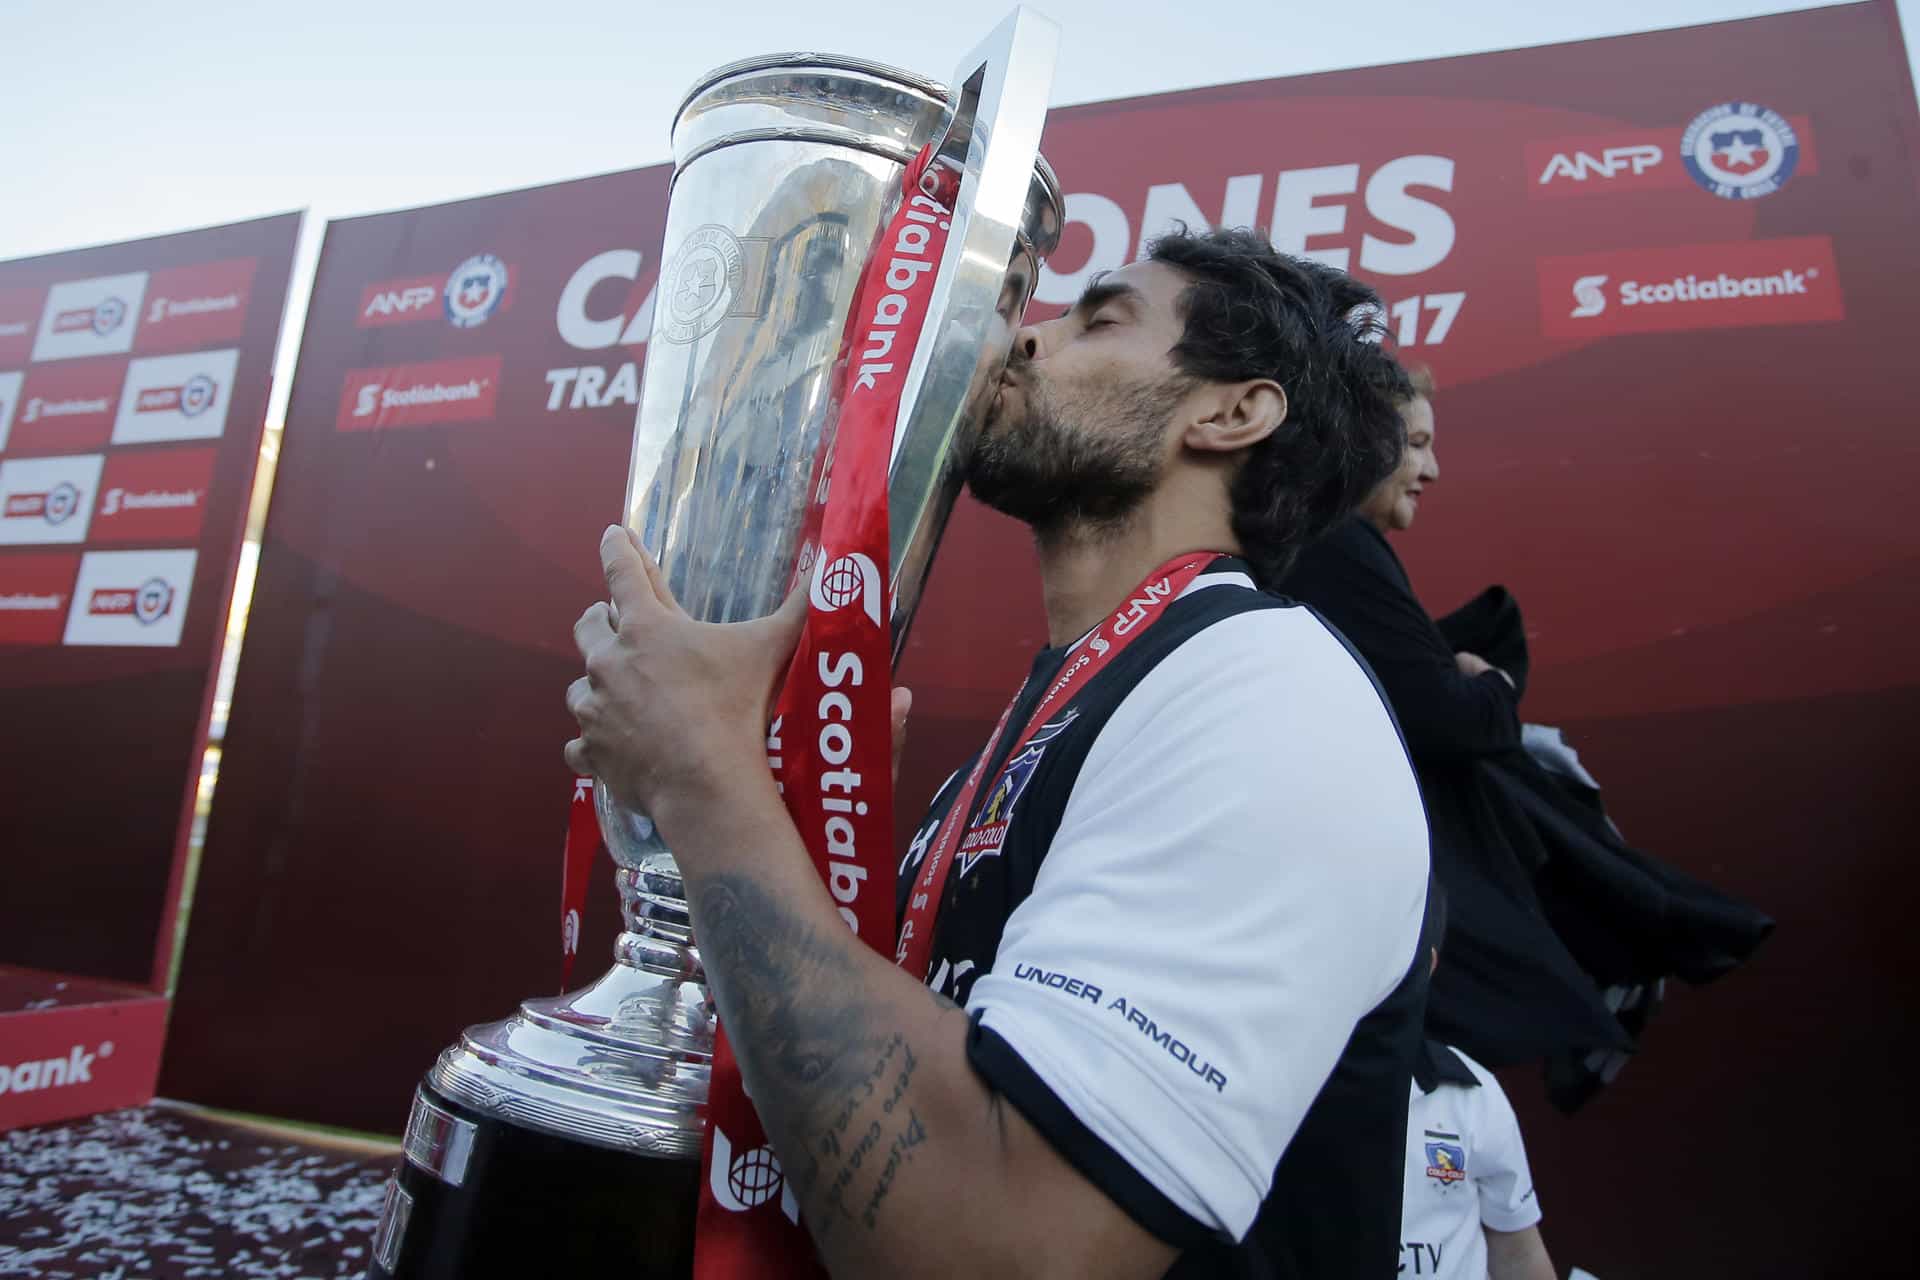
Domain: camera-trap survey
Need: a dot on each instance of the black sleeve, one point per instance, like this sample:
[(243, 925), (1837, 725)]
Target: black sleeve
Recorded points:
[(1352, 578), (1005, 1072)]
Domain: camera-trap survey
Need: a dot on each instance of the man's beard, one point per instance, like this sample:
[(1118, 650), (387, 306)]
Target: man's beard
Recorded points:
[(1090, 464)]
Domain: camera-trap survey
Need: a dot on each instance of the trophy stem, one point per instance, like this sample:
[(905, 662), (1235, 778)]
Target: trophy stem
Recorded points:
[(659, 928)]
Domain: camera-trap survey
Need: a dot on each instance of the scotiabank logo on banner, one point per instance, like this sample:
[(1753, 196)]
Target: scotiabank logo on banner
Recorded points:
[(197, 305), (64, 408), (416, 395), (47, 500), (1702, 286), (95, 317), (34, 592), (153, 495), (182, 397), (131, 598)]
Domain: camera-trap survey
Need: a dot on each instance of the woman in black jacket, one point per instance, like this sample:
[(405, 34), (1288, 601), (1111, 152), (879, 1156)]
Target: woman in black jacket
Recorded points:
[(1506, 990), (1560, 934)]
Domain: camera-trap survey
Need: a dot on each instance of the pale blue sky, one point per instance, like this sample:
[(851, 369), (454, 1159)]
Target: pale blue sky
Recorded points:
[(121, 119)]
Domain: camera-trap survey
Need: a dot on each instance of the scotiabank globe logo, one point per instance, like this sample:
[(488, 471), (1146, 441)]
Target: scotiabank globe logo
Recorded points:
[(1740, 150), (844, 580), (742, 1180)]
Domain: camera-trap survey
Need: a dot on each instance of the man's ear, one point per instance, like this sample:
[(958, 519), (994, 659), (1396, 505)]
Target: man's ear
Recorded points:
[(1243, 414)]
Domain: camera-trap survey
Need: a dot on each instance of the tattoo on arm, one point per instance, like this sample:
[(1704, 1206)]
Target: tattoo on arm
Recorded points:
[(830, 1077)]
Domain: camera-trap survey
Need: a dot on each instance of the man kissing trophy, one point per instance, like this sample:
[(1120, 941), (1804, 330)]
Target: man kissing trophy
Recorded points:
[(849, 250)]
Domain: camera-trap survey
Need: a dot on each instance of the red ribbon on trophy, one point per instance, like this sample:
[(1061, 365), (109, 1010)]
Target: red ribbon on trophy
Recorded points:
[(583, 843), (830, 745)]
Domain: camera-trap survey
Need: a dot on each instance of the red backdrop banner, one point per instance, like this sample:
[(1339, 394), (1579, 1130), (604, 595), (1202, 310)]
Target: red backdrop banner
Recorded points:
[(382, 863), (133, 391), (1666, 283)]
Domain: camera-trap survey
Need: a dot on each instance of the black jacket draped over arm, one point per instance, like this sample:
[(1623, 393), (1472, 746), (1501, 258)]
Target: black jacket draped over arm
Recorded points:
[(1547, 907)]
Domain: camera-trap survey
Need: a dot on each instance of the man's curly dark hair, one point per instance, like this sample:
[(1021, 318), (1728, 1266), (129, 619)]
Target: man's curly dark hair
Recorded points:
[(1251, 311)]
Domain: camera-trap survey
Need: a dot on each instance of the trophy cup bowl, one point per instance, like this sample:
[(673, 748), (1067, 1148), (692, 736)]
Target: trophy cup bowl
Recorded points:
[(569, 1134)]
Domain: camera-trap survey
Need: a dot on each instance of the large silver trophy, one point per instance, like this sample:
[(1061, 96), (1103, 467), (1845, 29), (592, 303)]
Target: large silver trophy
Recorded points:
[(569, 1135)]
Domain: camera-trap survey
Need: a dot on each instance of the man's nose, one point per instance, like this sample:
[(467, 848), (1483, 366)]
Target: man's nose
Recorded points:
[(1027, 342)]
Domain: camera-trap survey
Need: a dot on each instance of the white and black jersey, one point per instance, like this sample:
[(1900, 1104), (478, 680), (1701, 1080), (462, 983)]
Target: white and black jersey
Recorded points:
[(1466, 1168), (1195, 963)]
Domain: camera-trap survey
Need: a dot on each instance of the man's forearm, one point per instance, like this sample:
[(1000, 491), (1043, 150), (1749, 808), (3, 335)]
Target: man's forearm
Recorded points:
[(1517, 1255), (858, 1072), (842, 1053)]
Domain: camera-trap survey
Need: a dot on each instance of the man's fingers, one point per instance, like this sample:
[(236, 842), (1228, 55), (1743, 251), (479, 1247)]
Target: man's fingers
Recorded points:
[(626, 573), (788, 620), (778, 635), (577, 758), (577, 694), (593, 628), (656, 576)]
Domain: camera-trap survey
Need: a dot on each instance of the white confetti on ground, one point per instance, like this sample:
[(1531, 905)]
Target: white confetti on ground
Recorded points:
[(153, 1194)]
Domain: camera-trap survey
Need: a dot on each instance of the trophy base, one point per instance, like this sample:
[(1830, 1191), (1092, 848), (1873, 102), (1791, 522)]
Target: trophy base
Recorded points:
[(528, 1203), (566, 1135)]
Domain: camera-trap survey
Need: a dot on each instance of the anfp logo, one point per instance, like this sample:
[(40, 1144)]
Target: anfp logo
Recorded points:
[(844, 580), (54, 506), (1581, 165), (146, 604)]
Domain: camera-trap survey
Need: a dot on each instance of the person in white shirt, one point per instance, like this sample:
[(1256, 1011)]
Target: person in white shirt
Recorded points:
[(1469, 1211)]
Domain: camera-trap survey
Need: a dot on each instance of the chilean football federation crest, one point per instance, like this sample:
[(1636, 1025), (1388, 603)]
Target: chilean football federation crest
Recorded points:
[(197, 395), (475, 290), (1740, 150), (107, 315), (1446, 1161), (701, 285), (989, 830)]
